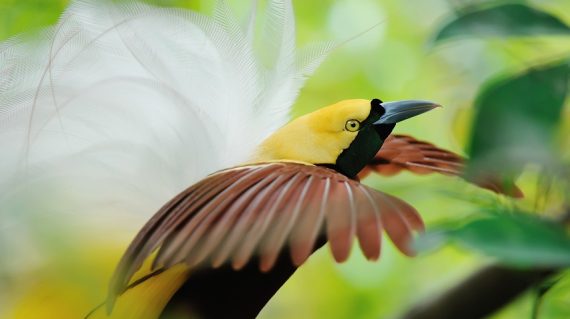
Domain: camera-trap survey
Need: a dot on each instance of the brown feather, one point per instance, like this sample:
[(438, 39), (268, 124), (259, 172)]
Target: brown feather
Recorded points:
[(226, 223), (399, 231), (284, 221), (224, 200), (304, 236), (401, 152), (340, 221), (369, 226), (179, 215), (261, 208), (266, 212), (230, 229), (245, 223)]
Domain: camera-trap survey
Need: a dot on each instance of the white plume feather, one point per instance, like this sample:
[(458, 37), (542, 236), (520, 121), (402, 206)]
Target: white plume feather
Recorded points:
[(118, 107)]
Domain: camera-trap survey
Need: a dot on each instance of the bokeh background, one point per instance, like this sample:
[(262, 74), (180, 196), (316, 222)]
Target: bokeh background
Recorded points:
[(396, 59)]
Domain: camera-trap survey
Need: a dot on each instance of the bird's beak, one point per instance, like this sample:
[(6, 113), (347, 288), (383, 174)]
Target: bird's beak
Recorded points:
[(400, 110)]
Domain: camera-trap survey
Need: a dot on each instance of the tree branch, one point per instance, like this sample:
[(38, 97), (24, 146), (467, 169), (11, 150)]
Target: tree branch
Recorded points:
[(481, 294)]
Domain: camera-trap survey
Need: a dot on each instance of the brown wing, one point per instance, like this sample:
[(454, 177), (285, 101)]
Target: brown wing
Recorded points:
[(401, 152), (259, 209)]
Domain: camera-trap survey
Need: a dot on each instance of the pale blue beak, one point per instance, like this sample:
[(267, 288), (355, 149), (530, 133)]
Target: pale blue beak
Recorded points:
[(401, 110)]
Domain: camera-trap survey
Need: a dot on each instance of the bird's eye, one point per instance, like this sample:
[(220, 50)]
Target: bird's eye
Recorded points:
[(352, 125)]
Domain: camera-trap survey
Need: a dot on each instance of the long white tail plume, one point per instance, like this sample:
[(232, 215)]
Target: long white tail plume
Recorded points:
[(118, 107)]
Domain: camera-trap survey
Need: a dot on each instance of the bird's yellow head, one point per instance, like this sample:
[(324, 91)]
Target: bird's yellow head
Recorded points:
[(345, 135)]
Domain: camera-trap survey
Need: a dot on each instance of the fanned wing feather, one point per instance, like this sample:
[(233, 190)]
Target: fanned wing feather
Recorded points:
[(121, 105), (340, 226), (369, 226), (267, 207), (402, 152)]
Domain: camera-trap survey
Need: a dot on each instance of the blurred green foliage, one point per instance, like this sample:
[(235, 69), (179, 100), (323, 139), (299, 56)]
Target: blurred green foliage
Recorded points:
[(503, 21), (517, 119), (515, 124), (554, 301), (22, 16), (515, 239), (397, 59)]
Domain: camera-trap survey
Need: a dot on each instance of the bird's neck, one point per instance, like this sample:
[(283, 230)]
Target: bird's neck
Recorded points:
[(362, 150)]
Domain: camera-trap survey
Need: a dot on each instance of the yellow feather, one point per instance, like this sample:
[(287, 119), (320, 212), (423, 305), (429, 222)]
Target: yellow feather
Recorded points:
[(147, 299), (319, 136)]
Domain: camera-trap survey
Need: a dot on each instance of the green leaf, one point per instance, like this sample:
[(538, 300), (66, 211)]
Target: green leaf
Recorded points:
[(510, 20), (516, 119), (554, 303), (520, 240), (541, 290)]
